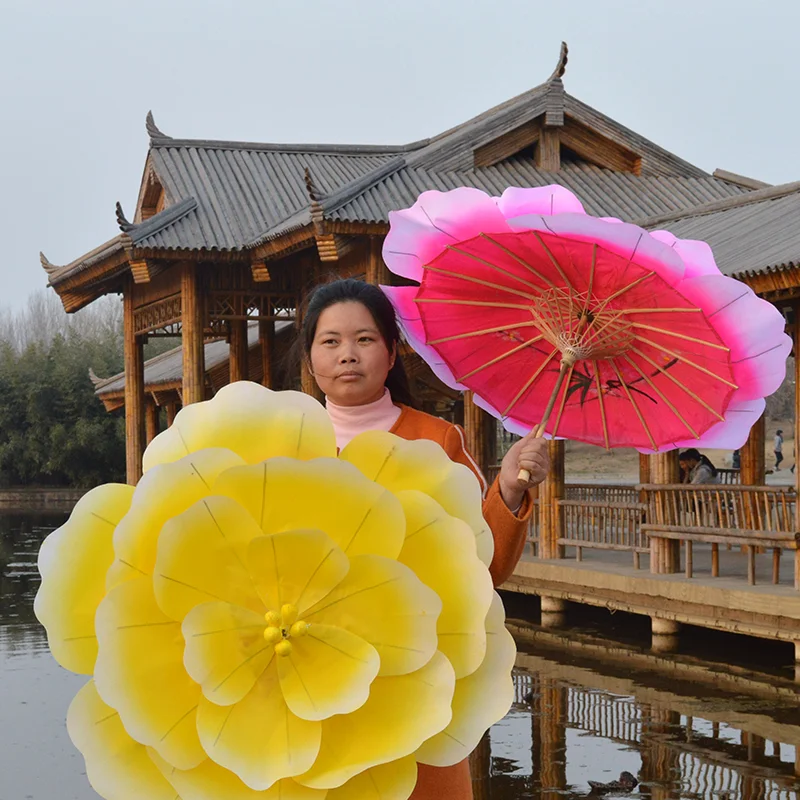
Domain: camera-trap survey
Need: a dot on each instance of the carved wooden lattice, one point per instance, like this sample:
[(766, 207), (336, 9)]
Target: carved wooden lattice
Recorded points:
[(159, 318)]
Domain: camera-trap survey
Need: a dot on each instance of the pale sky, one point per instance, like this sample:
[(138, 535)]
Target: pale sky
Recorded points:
[(714, 81)]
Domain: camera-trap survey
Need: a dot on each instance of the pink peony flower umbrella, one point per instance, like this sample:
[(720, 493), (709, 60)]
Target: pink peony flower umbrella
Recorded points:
[(583, 328)]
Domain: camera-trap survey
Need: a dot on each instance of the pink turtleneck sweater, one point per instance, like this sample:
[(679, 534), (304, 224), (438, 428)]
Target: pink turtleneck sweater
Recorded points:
[(349, 421)]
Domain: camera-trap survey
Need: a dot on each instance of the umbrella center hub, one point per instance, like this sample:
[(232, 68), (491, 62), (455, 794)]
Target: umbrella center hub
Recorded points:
[(579, 329), (282, 627)]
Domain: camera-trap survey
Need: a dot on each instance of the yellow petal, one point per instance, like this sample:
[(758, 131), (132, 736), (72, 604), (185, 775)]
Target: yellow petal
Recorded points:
[(253, 421), (480, 699), (424, 466), (73, 561), (297, 567), (225, 650), (258, 738), (400, 714), (385, 604), (393, 781), (325, 494), (209, 781), (118, 768), (140, 673), (201, 558), (162, 494), (441, 551), (328, 671)]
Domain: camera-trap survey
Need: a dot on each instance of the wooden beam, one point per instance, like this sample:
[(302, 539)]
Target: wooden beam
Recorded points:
[(172, 412), (238, 351), (266, 338), (597, 149), (134, 392), (192, 336), (548, 150), (551, 490), (151, 419), (260, 271), (377, 271), (141, 270)]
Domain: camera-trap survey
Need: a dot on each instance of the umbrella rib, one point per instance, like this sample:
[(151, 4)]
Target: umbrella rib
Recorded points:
[(661, 311), (554, 260), (683, 336), (501, 357), (494, 267), (632, 401), (519, 260), (602, 403), (658, 391), (483, 331), (622, 291), (530, 381), (473, 279), (482, 303), (590, 288), (679, 357), (678, 383), (563, 400)]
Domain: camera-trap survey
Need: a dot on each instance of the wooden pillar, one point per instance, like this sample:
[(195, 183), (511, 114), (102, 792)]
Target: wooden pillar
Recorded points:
[(793, 456), (192, 336), (134, 392), (548, 150), (377, 271), (480, 768), (475, 421), (172, 412), (266, 338), (151, 421), (753, 467), (644, 468), (665, 554), (238, 351), (551, 490), (664, 467)]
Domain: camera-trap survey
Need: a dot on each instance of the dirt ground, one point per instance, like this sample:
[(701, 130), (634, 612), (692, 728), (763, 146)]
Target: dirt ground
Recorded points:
[(594, 464)]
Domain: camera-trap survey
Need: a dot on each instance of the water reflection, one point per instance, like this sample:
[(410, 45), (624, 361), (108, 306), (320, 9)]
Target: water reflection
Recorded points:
[(575, 720)]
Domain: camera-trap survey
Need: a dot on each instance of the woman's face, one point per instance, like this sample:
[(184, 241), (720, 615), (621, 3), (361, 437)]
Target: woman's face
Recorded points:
[(349, 359)]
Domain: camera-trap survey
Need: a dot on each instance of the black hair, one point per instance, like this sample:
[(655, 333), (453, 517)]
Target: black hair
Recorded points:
[(692, 454), (350, 290)]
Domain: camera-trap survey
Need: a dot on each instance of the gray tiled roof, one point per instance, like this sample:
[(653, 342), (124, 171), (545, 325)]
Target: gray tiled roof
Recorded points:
[(755, 233), (167, 368)]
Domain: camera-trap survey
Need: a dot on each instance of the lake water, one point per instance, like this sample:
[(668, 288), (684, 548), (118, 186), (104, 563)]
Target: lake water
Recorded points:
[(584, 712)]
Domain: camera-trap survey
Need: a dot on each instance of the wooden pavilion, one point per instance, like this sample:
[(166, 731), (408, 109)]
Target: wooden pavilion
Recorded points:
[(227, 234)]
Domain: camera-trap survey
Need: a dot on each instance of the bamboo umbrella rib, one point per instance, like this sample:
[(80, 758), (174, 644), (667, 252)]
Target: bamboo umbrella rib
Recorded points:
[(623, 290), (632, 401), (530, 381), (563, 399), (684, 360), (493, 266), (590, 288), (677, 383), (654, 329), (627, 311), (602, 403), (555, 263), (479, 281), (655, 388), (481, 303), (482, 332), (501, 357), (519, 260)]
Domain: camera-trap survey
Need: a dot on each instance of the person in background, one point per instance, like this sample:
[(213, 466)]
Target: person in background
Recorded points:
[(697, 468), (778, 449), (736, 461)]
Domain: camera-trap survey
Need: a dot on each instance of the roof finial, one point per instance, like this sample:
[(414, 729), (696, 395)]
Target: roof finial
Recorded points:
[(317, 213), (153, 130), (561, 67), (123, 223), (46, 265), (94, 379)]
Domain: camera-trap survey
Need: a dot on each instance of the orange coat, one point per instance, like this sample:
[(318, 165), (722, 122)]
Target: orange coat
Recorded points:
[(509, 529)]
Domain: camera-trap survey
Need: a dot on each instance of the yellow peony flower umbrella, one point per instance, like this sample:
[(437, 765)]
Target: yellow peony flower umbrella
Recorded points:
[(265, 618)]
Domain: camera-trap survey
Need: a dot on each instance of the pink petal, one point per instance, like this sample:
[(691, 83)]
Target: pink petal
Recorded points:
[(750, 327), (542, 200), (420, 233), (402, 298), (696, 255), (731, 434)]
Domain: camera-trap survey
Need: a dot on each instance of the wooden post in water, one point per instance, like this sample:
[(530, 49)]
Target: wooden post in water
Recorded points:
[(192, 336), (553, 737), (134, 391)]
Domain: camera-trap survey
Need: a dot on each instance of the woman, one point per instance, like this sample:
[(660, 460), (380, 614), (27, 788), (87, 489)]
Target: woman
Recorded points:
[(350, 337), (697, 468)]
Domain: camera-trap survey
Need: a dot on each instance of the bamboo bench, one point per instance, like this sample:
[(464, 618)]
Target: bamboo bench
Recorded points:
[(661, 561)]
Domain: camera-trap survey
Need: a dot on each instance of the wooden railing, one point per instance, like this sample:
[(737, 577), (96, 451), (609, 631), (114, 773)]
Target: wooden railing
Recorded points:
[(603, 526), (602, 492), (729, 477)]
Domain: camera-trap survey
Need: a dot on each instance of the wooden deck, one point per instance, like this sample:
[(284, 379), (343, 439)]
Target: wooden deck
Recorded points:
[(608, 579)]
